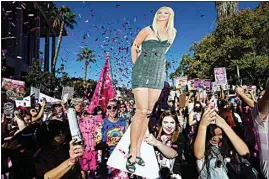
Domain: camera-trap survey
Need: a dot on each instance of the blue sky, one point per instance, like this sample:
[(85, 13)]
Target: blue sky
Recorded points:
[(111, 26)]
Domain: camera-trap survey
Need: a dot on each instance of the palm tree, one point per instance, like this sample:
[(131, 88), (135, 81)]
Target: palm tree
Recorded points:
[(225, 9), (61, 17), (87, 56)]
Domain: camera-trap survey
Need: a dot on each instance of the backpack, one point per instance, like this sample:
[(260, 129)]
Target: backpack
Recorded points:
[(241, 169)]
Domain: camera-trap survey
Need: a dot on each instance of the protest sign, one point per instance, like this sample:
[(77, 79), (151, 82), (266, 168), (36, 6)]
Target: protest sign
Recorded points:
[(196, 83), (181, 82), (220, 76), (48, 98), (90, 128), (15, 89), (35, 91), (26, 102), (67, 93), (8, 109), (182, 100), (206, 83), (118, 158)]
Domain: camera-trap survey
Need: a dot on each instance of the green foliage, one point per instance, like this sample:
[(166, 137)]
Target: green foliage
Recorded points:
[(62, 17), (37, 78), (225, 9), (63, 14), (237, 41), (87, 56), (47, 83)]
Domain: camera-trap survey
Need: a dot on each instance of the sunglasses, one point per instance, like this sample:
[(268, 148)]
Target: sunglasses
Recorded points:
[(122, 107), (112, 107)]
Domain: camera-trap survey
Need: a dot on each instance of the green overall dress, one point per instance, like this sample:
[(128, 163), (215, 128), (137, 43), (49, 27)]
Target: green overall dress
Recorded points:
[(149, 69)]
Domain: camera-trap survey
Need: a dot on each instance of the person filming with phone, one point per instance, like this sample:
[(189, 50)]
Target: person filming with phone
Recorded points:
[(211, 145)]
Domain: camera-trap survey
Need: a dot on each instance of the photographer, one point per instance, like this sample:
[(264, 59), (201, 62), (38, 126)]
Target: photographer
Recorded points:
[(211, 147)]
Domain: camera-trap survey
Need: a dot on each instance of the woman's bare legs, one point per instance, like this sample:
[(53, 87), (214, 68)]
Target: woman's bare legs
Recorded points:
[(153, 96), (141, 102)]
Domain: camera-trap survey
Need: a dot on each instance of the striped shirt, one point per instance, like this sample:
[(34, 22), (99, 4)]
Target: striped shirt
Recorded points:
[(262, 127)]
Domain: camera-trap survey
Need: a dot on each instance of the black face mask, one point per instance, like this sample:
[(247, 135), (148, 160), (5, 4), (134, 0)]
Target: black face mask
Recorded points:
[(197, 109)]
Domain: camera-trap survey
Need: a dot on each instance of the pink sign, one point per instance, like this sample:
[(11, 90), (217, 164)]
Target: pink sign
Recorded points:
[(196, 83), (91, 132)]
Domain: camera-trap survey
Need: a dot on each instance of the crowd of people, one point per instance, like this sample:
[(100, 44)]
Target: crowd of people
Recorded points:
[(217, 136)]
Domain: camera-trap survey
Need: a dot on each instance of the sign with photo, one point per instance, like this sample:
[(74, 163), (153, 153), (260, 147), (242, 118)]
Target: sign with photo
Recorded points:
[(15, 89), (206, 83), (220, 76), (181, 82), (196, 83), (8, 109)]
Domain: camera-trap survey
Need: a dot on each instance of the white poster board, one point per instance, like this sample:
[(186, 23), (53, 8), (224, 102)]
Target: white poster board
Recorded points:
[(118, 159), (35, 91), (220, 76), (67, 93), (26, 102), (48, 98)]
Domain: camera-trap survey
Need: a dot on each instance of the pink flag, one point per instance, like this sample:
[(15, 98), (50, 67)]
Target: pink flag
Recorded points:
[(104, 90)]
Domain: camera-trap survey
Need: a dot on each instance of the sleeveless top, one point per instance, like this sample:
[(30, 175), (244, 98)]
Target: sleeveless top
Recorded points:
[(149, 70)]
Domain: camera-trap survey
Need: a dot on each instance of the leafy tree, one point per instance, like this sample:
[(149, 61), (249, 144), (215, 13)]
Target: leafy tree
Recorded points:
[(237, 41), (40, 79), (87, 56), (61, 17), (226, 9)]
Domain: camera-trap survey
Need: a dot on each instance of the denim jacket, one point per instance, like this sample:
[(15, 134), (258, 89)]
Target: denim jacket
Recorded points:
[(214, 171)]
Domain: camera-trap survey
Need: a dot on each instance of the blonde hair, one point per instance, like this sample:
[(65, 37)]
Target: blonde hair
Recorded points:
[(170, 25)]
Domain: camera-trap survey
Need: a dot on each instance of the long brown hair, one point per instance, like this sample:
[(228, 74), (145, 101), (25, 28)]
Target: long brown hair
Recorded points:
[(175, 134)]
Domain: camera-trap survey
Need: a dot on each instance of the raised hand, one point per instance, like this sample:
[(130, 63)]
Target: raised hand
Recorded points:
[(220, 122), (208, 117), (75, 151)]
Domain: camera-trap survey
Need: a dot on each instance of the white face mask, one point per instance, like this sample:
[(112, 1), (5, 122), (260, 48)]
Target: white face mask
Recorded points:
[(168, 125)]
